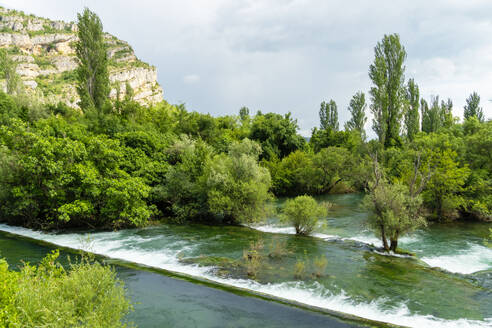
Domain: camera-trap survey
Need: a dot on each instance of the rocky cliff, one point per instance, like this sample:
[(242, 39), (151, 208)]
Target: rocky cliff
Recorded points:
[(44, 50)]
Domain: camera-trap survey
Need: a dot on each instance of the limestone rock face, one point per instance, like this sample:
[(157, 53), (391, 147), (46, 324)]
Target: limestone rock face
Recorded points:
[(45, 53)]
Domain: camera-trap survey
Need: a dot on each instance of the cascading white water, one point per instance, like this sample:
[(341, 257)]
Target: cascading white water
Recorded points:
[(129, 247)]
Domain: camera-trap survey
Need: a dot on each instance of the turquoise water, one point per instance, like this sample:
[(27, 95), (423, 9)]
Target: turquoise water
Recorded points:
[(449, 285), (162, 301)]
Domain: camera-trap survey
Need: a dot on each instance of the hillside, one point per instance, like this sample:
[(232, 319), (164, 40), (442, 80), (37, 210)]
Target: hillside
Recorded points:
[(44, 50)]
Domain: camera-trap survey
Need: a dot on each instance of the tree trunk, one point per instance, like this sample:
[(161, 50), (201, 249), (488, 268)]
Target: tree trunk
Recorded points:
[(394, 245), (385, 241)]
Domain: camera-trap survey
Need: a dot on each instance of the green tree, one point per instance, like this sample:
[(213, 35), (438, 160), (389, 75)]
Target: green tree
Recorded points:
[(129, 93), (303, 212), (276, 134), (237, 187), (437, 116), (478, 187), (184, 190), (388, 92), (92, 72), (472, 107), (293, 175), (244, 113), (443, 193), (332, 165), (357, 108), (412, 119), (8, 72), (424, 109), (447, 113), (328, 115), (320, 139), (395, 209)]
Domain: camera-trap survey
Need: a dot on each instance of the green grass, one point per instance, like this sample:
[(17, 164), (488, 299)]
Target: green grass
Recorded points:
[(55, 83), (43, 62)]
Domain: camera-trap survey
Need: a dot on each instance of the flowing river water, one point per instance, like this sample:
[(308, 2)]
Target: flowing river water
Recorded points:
[(448, 284)]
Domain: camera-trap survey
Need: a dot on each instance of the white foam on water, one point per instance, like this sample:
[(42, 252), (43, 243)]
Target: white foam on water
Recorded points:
[(365, 239), (476, 258), (390, 253), (271, 228), (110, 244), (370, 239)]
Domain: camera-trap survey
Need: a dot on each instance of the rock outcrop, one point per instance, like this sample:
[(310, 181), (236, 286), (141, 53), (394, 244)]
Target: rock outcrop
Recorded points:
[(44, 51)]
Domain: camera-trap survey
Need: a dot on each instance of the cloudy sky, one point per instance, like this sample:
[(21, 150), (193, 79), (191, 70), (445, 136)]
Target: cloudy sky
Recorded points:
[(272, 55)]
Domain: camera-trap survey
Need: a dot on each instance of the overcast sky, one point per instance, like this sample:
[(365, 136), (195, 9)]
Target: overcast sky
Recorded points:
[(271, 55)]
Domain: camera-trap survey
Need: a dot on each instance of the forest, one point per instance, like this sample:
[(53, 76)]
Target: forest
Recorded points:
[(116, 164)]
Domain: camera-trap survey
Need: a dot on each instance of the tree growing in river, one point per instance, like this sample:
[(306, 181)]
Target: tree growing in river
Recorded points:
[(395, 207), (303, 212), (92, 73)]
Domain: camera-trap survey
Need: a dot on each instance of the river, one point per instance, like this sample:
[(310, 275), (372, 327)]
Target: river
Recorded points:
[(448, 285)]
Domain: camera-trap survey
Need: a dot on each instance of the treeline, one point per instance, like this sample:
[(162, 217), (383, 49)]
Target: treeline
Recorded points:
[(115, 164)]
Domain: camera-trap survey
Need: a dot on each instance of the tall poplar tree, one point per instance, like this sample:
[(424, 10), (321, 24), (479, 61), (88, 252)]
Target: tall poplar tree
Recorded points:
[(388, 92), (436, 116), (328, 115), (447, 113), (357, 108), (472, 107), (92, 73), (424, 109), (412, 119)]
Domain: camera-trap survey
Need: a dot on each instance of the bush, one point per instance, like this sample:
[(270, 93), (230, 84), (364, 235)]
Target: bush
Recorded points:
[(253, 258), (303, 212), (88, 294), (320, 264)]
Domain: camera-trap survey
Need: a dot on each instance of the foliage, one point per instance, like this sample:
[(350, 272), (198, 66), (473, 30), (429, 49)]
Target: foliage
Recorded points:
[(320, 264), (299, 269), (472, 107), (395, 211), (320, 139), (57, 175), (475, 153), (328, 115), (307, 173), (278, 248), (357, 108), (303, 212), (412, 118), (8, 72), (92, 72), (86, 295), (253, 258), (276, 134), (438, 116), (237, 187), (120, 164), (184, 189), (443, 193), (387, 94)]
